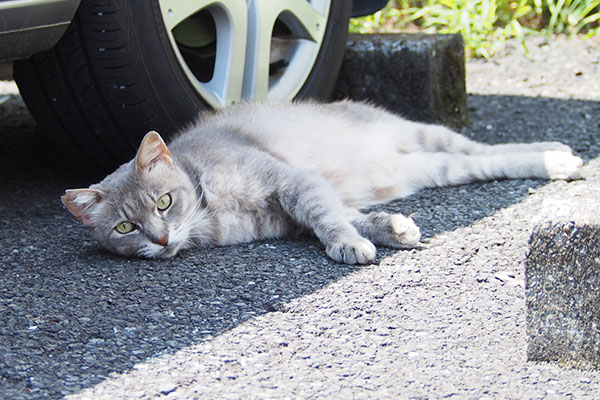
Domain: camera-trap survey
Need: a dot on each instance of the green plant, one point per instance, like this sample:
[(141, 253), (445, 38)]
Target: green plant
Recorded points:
[(570, 16), (389, 19), (485, 24), (483, 27)]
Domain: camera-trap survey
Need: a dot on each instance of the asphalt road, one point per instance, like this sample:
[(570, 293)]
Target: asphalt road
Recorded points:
[(278, 319)]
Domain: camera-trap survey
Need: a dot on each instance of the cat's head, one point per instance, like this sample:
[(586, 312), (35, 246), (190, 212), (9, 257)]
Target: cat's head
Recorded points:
[(148, 207)]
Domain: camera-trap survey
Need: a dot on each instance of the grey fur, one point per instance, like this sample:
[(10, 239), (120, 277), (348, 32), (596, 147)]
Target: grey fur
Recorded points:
[(263, 170)]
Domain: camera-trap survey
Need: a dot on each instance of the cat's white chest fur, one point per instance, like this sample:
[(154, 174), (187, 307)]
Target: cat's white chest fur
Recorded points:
[(241, 207)]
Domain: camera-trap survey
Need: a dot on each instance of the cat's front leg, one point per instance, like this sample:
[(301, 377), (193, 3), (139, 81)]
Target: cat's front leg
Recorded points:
[(390, 230), (311, 202), (351, 250)]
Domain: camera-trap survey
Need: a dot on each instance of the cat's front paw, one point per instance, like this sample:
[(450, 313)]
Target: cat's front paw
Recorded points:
[(562, 165), (406, 232), (352, 251)]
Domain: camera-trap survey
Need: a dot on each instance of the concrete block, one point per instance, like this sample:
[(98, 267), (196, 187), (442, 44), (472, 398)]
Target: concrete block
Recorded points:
[(563, 280), (419, 76)]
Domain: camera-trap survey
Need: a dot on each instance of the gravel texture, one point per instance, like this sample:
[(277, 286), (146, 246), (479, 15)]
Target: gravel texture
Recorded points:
[(278, 319)]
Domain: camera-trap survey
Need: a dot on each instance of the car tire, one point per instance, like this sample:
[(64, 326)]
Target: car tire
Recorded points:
[(118, 72)]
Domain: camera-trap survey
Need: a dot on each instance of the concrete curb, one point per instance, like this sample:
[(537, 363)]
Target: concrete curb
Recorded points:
[(419, 76), (563, 280)]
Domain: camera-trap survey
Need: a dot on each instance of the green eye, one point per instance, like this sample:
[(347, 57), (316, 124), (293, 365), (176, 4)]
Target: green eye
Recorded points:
[(163, 202), (125, 227)]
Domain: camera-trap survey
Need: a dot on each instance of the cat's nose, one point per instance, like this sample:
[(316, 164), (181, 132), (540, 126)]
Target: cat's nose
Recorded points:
[(163, 241)]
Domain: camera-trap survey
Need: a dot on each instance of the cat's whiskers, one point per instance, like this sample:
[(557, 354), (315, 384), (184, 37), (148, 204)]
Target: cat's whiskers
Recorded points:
[(196, 190), (197, 208), (201, 229), (198, 217), (200, 235)]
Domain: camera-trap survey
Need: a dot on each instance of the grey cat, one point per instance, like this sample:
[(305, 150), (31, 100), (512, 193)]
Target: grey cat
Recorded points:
[(265, 170)]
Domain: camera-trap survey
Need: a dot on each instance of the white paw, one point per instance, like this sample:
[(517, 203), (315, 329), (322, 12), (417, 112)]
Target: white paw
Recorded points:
[(407, 232), (551, 146), (561, 165), (356, 250)]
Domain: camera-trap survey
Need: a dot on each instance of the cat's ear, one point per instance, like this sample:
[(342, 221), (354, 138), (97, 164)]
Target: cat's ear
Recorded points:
[(152, 150), (81, 203)]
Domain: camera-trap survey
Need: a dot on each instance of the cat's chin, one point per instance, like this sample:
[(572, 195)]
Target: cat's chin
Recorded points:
[(152, 250)]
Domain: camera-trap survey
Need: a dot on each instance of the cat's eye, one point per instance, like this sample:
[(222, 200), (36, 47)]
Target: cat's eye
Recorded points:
[(125, 227), (163, 202)]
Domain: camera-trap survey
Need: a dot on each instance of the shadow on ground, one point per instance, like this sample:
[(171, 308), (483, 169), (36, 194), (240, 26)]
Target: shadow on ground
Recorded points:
[(71, 314)]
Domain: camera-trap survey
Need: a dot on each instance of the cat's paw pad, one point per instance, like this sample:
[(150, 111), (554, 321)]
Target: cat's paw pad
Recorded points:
[(406, 232), (352, 251), (561, 165)]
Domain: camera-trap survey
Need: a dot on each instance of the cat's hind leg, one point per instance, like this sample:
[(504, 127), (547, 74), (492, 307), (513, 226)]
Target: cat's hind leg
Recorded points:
[(443, 169), (389, 230), (437, 138)]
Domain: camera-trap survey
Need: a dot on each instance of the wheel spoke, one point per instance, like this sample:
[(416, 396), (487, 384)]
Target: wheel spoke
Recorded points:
[(303, 19), (232, 29), (175, 11), (230, 18)]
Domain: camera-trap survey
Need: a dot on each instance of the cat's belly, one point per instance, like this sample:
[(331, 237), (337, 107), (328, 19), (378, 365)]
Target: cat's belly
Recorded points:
[(363, 169)]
